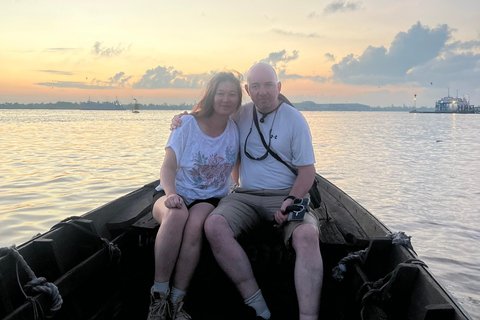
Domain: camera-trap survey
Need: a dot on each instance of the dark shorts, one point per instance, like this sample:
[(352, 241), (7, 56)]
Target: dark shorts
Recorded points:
[(213, 201)]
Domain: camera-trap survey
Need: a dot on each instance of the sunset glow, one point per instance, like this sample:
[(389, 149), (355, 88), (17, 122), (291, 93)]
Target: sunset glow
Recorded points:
[(377, 52)]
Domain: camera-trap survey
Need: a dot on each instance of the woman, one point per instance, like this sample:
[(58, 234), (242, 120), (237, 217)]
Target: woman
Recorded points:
[(195, 175)]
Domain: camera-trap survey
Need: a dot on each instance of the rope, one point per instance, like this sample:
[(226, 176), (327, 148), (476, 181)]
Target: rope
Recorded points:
[(40, 285), (399, 238), (402, 239), (35, 285), (376, 292), (341, 268), (113, 250)]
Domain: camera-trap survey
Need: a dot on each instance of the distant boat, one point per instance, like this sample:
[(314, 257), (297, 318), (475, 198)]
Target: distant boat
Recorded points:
[(90, 105), (451, 105), (454, 105), (135, 107)]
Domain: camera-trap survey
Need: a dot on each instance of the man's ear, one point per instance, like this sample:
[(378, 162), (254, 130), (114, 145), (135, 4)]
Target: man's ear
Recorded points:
[(279, 85), (246, 89)]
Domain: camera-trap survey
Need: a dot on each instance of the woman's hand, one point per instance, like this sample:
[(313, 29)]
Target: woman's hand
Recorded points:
[(174, 201)]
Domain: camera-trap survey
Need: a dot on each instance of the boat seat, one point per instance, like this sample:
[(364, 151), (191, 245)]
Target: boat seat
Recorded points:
[(136, 206), (146, 227)]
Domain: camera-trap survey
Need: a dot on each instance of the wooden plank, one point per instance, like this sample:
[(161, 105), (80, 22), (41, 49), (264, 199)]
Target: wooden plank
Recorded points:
[(329, 232), (145, 224), (347, 225), (132, 211), (369, 223)]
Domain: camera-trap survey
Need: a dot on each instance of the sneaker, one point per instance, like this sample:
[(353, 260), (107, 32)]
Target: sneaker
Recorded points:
[(159, 306), (178, 312)]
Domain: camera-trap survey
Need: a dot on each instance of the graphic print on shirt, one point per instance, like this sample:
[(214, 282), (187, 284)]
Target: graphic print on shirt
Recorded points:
[(212, 170)]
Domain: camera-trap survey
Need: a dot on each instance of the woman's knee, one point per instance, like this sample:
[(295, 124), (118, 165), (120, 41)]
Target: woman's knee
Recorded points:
[(170, 216)]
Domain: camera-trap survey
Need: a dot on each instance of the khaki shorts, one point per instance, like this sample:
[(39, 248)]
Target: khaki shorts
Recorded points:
[(245, 210)]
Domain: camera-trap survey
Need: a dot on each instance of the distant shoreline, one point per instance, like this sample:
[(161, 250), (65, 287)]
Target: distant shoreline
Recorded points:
[(302, 106)]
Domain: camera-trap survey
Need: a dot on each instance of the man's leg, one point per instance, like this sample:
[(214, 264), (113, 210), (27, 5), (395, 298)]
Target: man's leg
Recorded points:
[(230, 256), (308, 270), (237, 211)]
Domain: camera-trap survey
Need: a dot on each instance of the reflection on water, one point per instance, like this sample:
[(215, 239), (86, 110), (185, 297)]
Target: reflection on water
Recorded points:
[(417, 173)]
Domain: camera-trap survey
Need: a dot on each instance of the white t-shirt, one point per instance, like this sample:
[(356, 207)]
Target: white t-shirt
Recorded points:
[(204, 164), (290, 139)]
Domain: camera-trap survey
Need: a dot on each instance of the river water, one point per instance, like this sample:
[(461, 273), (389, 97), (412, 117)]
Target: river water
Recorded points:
[(417, 173)]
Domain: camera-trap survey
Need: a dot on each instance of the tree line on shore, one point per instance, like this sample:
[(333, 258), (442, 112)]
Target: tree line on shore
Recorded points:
[(303, 106)]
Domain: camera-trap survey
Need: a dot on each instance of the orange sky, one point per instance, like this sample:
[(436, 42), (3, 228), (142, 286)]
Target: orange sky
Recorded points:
[(376, 52)]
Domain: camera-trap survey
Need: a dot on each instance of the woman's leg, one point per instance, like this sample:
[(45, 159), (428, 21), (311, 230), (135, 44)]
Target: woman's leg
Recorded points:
[(169, 238), (191, 245)]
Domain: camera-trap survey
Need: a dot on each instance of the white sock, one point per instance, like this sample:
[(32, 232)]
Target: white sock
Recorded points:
[(176, 293), (257, 302), (161, 287)]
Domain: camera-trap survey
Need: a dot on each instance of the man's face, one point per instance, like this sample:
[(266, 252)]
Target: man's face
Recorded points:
[(263, 88)]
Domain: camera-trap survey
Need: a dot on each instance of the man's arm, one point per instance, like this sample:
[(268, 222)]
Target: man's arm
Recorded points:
[(177, 121), (303, 183)]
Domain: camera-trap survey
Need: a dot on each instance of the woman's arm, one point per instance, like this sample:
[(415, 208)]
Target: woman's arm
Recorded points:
[(167, 178), (236, 171)]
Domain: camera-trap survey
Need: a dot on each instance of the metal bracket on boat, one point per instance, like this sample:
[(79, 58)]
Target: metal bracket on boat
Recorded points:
[(296, 212)]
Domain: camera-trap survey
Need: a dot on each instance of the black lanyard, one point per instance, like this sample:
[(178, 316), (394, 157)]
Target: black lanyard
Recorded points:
[(267, 147)]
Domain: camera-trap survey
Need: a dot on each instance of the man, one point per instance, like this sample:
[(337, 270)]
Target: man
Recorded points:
[(267, 187)]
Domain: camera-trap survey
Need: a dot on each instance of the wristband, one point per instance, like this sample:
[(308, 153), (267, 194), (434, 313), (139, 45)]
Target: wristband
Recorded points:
[(289, 197)]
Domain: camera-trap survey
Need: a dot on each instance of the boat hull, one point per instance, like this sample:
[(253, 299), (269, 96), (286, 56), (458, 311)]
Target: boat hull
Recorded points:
[(97, 282)]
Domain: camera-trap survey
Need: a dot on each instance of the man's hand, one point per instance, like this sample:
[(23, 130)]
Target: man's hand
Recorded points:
[(280, 216), (176, 121), (174, 201)]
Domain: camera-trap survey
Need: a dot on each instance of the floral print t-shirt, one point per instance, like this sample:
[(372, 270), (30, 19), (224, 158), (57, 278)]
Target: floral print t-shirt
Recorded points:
[(204, 164)]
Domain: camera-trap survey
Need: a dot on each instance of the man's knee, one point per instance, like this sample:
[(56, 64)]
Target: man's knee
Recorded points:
[(305, 237), (215, 227)]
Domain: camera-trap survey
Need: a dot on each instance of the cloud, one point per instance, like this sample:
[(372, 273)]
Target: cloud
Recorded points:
[(61, 50), (119, 80), (63, 73), (341, 6), (408, 50), (71, 84), (280, 57), (296, 34), (330, 57), (163, 77), (449, 69), (279, 60), (283, 75), (460, 46), (102, 51)]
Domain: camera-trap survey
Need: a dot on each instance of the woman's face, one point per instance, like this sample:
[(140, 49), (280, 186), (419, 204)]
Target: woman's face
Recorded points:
[(226, 98)]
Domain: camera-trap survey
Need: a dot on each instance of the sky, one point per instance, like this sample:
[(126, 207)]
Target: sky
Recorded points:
[(376, 52)]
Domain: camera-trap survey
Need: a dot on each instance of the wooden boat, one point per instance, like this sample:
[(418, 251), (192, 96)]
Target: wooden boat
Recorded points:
[(102, 264)]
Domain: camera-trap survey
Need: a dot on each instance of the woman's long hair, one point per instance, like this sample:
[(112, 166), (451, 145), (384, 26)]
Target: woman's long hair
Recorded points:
[(204, 107)]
